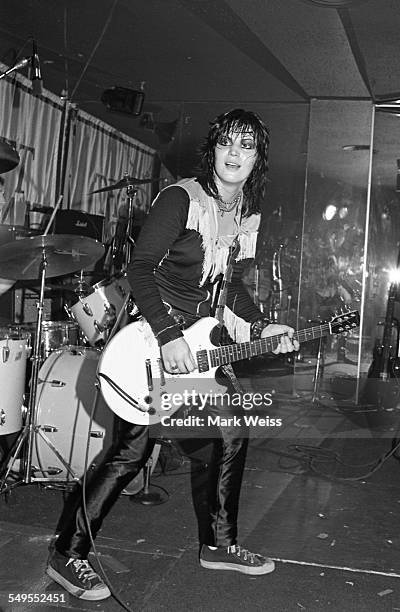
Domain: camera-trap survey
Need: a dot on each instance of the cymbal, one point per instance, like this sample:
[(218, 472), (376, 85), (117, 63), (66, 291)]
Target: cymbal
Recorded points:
[(5, 285), (9, 158), (127, 181), (65, 253)]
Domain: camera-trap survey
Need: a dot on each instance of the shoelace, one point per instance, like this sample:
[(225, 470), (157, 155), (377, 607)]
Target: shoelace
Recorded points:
[(239, 551), (83, 569)]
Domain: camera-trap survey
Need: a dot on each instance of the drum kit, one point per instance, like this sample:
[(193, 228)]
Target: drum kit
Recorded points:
[(64, 407)]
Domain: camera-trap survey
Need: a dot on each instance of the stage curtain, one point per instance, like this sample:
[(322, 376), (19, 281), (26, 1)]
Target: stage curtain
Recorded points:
[(99, 157), (96, 155), (32, 125)]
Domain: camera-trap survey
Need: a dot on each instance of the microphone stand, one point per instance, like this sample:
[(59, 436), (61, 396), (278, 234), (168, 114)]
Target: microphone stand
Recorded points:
[(131, 191)]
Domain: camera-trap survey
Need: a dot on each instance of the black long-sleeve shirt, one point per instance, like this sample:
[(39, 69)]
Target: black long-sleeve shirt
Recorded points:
[(167, 266)]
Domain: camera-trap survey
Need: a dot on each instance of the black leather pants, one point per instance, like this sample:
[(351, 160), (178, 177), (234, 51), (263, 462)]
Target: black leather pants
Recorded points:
[(122, 463), (225, 474)]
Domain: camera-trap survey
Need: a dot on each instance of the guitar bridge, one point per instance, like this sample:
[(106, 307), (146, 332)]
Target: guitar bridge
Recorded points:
[(202, 361)]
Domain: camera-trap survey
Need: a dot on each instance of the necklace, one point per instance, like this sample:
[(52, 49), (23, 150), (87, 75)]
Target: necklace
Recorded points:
[(224, 207)]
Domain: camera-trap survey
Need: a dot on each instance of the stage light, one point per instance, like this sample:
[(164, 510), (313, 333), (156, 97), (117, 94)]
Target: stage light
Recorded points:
[(329, 212), (394, 275)]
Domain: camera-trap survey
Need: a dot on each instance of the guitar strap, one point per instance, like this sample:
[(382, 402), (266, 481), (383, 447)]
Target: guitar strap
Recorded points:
[(222, 293)]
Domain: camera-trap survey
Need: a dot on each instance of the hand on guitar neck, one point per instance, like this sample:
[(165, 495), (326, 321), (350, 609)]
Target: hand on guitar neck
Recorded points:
[(178, 359), (287, 344)]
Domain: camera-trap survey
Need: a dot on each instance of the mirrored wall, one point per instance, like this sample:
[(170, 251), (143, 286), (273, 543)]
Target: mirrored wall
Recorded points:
[(335, 221), (344, 238), (380, 339), (346, 245)]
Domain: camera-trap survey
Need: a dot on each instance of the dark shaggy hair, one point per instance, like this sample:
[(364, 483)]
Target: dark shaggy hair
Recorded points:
[(241, 121)]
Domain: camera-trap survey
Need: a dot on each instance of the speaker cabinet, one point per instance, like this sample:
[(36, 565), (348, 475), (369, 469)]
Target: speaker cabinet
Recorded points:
[(79, 223)]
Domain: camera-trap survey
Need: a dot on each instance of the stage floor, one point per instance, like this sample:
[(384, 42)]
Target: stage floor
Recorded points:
[(315, 498)]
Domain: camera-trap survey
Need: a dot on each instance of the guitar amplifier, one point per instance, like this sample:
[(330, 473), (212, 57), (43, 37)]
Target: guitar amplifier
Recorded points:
[(79, 223)]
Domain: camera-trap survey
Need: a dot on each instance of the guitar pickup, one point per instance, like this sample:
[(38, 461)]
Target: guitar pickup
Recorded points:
[(202, 361), (149, 375)]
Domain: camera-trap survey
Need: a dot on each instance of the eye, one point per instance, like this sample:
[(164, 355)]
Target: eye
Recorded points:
[(224, 141), (248, 143)]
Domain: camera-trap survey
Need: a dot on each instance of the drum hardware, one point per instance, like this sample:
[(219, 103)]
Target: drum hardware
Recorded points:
[(41, 256), (126, 181), (149, 495), (100, 328), (51, 471), (52, 429), (125, 241), (82, 287), (129, 242), (87, 310)]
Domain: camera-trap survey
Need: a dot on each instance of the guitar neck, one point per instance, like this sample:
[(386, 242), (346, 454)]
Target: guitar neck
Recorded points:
[(230, 353)]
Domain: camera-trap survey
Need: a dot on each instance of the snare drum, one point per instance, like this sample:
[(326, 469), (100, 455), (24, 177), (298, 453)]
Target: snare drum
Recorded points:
[(55, 335), (66, 393), (97, 312), (14, 351)]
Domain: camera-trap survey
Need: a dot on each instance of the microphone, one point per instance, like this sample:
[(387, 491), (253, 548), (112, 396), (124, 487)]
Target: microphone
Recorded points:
[(36, 75), (21, 64)]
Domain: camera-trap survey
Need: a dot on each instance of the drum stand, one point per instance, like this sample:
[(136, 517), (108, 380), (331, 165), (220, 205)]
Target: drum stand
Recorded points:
[(26, 438), (131, 192)]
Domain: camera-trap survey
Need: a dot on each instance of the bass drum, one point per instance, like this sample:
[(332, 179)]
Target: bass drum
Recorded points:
[(66, 394)]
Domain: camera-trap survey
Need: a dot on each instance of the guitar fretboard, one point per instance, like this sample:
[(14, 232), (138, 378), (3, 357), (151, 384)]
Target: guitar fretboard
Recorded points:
[(223, 355)]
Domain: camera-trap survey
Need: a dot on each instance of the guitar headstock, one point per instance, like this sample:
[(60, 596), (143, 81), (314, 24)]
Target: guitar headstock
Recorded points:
[(344, 322)]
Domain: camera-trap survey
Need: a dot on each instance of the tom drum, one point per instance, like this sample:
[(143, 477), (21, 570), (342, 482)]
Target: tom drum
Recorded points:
[(97, 312)]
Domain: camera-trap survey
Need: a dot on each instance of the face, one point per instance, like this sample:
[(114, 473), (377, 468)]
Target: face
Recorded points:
[(235, 156)]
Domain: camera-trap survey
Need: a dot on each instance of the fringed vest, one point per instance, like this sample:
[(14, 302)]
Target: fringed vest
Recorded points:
[(203, 218)]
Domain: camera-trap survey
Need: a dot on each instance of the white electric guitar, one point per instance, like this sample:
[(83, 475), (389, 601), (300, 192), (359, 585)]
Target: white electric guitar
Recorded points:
[(136, 387)]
